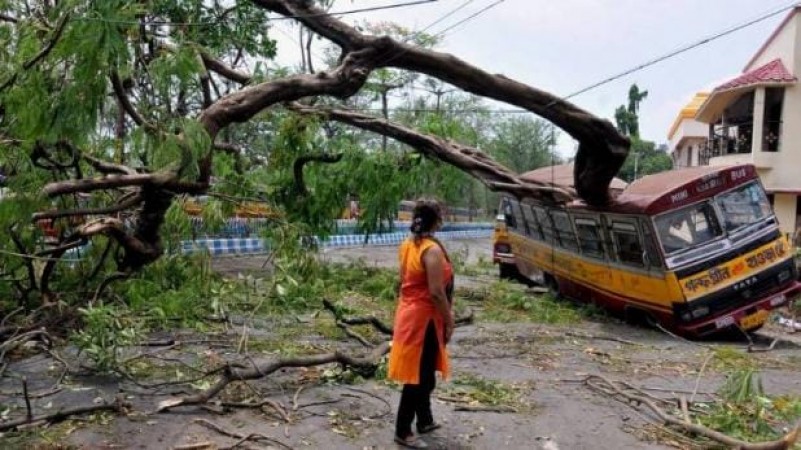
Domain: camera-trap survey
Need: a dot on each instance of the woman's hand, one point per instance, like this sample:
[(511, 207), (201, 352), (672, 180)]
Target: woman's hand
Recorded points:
[(450, 324)]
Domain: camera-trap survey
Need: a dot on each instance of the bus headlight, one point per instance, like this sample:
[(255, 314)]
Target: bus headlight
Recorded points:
[(784, 275), (700, 312)]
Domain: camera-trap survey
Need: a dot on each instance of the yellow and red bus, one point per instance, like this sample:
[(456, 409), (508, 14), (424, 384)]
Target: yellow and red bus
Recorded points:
[(697, 250)]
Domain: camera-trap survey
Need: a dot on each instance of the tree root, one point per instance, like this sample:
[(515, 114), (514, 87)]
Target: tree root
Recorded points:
[(636, 399)]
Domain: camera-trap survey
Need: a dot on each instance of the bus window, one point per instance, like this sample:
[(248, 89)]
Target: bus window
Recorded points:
[(589, 236), (533, 227), (508, 213), (565, 230), (654, 259), (627, 244), (743, 206), (687, 227), (546, 225)]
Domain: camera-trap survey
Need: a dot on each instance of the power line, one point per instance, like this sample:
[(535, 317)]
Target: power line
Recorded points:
[(470, 17), (224, 20), (676, 52), (441, 33), (452, 12)]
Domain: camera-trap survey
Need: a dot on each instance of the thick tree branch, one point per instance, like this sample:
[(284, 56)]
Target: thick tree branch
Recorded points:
[(119, 406), (121, 206), (300, 163), (106, 167), (472, 161), (342, 82), (602, 150), (125, 102), (220, 68), (109, 182), (367, 363)]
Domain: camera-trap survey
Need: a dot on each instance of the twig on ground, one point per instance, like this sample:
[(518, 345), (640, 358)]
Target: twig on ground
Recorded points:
[(376, 396), (685, 411), (28, 411), (602, 338), (636, 400), (196, 446), (264, 402), (700, 373), (118, 406), (754, 349), (295, 399), (320, 403), (495, 409), (367, 363), (242, 438)]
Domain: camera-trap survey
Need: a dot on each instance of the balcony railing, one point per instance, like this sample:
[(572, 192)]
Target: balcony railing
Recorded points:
[(725, 142)]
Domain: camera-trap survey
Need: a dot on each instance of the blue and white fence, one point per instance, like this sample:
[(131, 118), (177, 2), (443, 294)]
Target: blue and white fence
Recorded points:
[(238, 237), (245, 246)]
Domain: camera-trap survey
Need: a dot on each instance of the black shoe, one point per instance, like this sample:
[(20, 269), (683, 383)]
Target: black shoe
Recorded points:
[(411, 441), (424, 429)]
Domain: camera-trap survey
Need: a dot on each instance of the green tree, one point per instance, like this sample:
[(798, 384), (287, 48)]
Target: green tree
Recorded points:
[(644, 159), (627, 117), (523, 143)]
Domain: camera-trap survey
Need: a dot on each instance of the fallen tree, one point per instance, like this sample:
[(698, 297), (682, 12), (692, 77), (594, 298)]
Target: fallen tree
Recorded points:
[(168, 128)]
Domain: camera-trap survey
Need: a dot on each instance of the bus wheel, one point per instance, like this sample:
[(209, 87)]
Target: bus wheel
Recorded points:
[(637, 316), (553, 286), (508, 271)]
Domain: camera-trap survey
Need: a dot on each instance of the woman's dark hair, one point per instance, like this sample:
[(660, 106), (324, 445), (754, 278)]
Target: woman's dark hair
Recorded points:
[(425, 215)]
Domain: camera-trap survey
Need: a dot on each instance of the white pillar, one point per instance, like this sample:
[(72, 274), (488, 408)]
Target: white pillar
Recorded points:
[(759, 120)]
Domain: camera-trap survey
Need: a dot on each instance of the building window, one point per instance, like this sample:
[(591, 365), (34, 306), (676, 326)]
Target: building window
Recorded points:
[(772, 127), (689, 155)]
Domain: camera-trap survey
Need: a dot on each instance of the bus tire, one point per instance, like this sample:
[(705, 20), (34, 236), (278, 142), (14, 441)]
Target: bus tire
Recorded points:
[(508, 271), (552, 284)]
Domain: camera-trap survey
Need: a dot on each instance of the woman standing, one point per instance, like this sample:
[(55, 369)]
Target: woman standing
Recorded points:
[(423, 323)]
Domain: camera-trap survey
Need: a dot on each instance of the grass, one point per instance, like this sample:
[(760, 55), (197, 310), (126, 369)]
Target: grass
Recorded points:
[(746, 412), (729, 359), (507, 302), (478, 391)]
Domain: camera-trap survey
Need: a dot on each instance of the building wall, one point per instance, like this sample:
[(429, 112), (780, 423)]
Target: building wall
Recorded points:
[(784, 207), (782, 46), (779, 170)]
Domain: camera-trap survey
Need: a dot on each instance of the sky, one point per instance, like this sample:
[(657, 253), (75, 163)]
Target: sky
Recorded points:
[(566, 45)]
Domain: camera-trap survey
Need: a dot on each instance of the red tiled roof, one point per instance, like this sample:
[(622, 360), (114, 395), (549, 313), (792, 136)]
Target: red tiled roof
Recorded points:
[(772, 72)]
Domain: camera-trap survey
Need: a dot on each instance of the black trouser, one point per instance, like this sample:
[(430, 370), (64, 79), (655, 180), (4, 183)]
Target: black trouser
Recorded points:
[(416, 398)]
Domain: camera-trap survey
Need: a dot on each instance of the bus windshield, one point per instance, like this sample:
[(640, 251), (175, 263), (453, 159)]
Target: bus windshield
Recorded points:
[(687, 227), (743, 206)]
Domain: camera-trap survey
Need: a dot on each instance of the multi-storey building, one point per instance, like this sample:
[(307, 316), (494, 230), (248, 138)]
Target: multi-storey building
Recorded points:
[(753, 118)]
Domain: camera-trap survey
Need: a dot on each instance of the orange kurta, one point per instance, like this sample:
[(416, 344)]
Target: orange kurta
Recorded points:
[(415, 310)]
